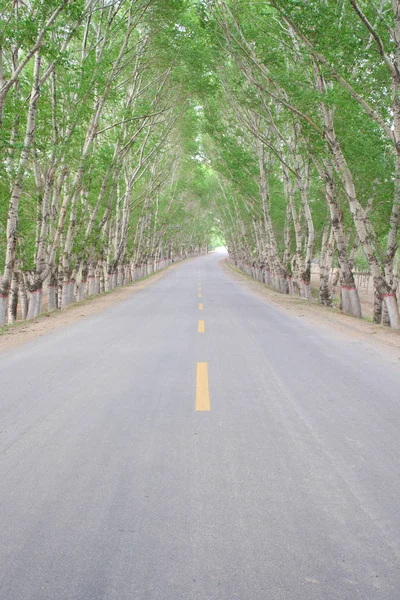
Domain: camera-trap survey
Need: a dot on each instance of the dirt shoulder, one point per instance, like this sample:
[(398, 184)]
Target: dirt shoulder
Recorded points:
[(24, 331), (380, 338)]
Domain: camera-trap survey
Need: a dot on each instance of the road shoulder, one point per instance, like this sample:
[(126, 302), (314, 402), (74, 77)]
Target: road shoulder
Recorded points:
[(332, 321), (25, 331)]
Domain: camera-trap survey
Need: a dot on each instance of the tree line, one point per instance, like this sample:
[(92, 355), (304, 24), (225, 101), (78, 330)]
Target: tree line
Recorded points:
[(132, 132), (95, 186), (304, 133)]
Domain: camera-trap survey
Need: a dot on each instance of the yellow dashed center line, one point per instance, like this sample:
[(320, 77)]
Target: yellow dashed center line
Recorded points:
[(200, 306), (202, 393), (201, 327), (200, 295)]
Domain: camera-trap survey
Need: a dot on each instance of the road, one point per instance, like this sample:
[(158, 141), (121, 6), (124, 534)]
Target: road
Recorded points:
[(177, 447)]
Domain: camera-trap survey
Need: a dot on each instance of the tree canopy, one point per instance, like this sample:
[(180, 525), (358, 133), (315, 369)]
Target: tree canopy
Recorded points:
[(136, 133)]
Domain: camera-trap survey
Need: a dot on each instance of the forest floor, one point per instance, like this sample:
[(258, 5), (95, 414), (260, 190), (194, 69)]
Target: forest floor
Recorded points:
[(379, 337), (23, 331)]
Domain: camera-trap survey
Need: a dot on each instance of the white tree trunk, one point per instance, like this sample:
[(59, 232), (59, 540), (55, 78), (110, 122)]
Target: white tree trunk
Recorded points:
[(81, 290), (3, 309), (51, 298), (67, 292), (35, 303)]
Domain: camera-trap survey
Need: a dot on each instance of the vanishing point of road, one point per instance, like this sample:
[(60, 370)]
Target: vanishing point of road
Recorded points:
[(195, 443)]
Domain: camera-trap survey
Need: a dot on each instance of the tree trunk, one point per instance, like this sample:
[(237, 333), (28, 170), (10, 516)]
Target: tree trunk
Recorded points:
[(324, 295), (52, 293), (35, 302), (13, 302), (350, 301), (67, 289), (364, 231), (12, 217), (92, 279)]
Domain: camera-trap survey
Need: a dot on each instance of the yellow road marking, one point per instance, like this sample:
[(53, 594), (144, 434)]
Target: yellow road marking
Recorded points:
[(201, 327), (200, 295), (202, 393), (200, 306)]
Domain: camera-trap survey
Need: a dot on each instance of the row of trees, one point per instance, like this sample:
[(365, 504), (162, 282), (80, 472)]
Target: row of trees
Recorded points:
[(130, 131), (304, 133), (96, 147)]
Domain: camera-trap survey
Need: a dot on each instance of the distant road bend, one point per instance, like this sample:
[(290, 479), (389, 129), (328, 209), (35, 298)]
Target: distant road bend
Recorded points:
[(196, 443)]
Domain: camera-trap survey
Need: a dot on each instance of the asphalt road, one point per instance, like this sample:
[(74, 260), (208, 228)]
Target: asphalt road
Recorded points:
[(283, 484)]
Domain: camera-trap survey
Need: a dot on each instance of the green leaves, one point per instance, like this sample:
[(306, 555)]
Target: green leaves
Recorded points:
[(180, 118)]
